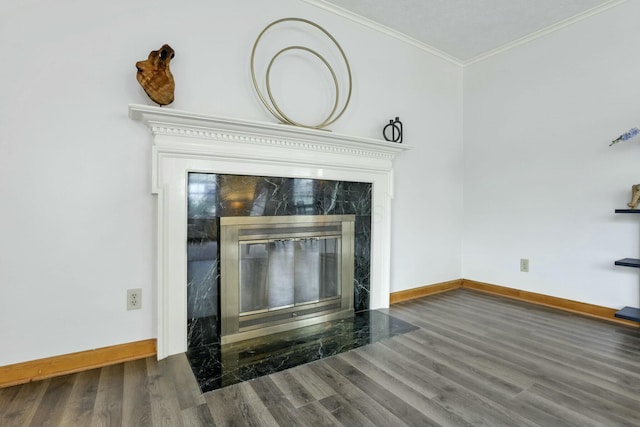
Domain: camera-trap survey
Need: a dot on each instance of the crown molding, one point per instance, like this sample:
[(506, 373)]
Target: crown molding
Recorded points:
[(545, 31), (323, 4)]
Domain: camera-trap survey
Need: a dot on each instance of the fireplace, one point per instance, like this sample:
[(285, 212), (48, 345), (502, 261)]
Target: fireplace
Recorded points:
[(284, 272), (302, 214), (184, 143)]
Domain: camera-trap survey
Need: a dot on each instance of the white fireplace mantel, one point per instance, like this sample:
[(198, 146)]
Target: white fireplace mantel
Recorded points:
[(186, 142)]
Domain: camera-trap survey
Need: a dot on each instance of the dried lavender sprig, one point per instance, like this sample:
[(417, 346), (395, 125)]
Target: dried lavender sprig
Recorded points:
[(627, 135)]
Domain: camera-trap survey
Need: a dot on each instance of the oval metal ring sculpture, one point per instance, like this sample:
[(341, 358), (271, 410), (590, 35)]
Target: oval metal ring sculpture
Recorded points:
[(273, 106)]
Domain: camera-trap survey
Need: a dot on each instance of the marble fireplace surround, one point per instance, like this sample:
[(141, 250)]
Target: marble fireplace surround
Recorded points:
[(186, 142)]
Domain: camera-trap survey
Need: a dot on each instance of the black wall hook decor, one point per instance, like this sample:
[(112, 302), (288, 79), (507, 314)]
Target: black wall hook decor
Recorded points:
[(396, 131)]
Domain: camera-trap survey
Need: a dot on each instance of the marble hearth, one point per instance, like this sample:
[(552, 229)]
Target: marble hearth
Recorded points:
[(188, 147), (216, 366)]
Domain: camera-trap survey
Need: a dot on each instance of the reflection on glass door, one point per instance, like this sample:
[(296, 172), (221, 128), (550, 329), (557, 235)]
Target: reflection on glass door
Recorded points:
[(281, 267), (281, 273), (254, 262)]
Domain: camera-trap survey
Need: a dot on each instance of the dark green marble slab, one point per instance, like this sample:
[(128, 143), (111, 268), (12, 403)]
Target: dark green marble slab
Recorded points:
[(217, 366)]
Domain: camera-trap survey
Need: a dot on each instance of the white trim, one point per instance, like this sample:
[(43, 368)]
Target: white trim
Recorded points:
[(184, 142), (332, 8), (545, 31), (323, 4)]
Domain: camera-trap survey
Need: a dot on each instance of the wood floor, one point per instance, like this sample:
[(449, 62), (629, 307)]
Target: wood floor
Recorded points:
[(476, 360)]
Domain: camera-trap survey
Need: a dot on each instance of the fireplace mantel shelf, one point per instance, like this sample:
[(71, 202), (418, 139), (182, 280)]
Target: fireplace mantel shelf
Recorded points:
[(185, 142), (170, 122)]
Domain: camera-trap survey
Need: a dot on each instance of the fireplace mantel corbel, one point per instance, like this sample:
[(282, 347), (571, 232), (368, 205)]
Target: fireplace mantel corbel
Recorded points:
[(184, 142)]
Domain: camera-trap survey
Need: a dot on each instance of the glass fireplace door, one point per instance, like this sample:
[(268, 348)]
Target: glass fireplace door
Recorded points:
[(284, 273), (279, 273)]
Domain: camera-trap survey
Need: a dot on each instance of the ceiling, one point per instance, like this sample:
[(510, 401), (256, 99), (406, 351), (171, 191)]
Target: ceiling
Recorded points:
[(465, 31)]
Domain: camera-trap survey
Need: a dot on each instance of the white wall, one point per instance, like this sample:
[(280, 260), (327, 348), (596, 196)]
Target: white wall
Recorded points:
[(540, 181), (77, 220)]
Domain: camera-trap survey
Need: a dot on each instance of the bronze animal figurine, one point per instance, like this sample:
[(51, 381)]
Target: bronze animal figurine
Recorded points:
[(155, 76), (635, 196)]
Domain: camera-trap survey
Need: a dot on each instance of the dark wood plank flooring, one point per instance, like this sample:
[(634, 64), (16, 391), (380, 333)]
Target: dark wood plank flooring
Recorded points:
[(476, 360)]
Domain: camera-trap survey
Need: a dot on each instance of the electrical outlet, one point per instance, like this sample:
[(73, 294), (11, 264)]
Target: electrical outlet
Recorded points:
[(524, 265), (134, 299)]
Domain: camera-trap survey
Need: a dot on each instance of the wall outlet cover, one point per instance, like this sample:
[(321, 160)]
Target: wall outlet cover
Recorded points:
[(134, 299)]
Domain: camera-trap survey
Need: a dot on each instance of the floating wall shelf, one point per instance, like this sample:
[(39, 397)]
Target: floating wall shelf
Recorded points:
[(629, 313)]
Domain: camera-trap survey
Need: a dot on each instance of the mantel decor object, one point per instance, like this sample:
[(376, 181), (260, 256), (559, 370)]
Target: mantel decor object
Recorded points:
[(155, 76), (271, 103), (635, 196), (635, 189), (394, 127)]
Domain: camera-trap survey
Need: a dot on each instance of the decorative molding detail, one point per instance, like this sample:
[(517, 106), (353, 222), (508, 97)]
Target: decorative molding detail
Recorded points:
[(185, 142), (337, 10), (239, 138), (450, 58), (547, 30), (40, 369), (170, 122)]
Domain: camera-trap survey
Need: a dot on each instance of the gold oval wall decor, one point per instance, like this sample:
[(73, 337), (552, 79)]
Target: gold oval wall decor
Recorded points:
[(335, 82), (273, 106)]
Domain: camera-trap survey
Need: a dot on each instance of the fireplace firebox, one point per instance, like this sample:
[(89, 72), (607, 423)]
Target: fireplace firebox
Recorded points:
[(283, 272)]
